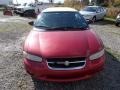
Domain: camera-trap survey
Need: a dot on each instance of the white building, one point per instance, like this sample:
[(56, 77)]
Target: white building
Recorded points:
[(6, 2)]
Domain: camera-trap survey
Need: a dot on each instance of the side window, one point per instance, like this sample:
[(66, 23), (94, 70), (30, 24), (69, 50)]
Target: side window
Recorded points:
[(102, 9), (98, 10), (32, 5)]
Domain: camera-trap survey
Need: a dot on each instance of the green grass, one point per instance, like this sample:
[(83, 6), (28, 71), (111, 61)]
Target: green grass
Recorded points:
[(109, 19), (113, 53)]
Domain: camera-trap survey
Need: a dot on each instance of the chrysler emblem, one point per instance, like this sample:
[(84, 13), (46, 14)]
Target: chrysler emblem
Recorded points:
[(67, 63)]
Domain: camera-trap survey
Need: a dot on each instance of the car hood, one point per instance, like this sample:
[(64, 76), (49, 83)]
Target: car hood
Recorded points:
[(62, 43), (20, 7), (86, 13)]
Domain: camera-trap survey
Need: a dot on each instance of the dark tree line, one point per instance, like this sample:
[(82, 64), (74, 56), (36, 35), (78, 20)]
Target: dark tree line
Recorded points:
[(51, 1)]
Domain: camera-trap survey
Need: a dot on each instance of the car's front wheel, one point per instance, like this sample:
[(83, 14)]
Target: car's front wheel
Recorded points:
[(93, 19), (29, 13), (103, 18), (117, 24)]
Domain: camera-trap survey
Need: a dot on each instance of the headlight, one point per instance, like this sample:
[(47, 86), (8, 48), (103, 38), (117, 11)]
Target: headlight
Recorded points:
[(118, 16), (32, 57), (97, 55), (88, 16)]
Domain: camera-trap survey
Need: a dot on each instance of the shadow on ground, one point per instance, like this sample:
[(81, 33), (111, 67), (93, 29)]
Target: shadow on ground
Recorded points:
[(103, 22), (108, 79)]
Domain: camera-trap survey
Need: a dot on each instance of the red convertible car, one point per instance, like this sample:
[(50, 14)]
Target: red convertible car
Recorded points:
[(61, 47)]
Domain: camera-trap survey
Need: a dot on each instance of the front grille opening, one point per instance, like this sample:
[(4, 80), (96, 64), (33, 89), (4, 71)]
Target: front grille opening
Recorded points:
[(65, 59), (66, 63), (71, 65)]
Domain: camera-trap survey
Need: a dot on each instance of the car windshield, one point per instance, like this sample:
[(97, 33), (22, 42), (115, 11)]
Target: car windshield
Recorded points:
[(31, 4), (60, 21), (90, 9)]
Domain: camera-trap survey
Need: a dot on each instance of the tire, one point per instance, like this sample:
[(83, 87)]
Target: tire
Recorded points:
[(102, 19), (21, 14), (93, 19), (29, 13), (117, 24)]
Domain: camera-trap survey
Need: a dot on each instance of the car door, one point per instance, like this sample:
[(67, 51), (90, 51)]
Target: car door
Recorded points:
[(101, 13), (98, 13), (103, 10)]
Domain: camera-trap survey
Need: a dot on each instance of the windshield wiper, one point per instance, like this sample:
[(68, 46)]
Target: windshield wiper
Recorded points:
[(43, 27), (55, 28), (83, 28), (68, 28), (61, 28)]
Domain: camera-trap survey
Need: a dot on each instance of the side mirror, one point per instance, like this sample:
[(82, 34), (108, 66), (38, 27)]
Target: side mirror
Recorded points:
[(31, 23)]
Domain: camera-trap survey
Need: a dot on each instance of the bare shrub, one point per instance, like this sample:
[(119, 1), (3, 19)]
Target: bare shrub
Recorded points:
[(112, 12), (74, 4)]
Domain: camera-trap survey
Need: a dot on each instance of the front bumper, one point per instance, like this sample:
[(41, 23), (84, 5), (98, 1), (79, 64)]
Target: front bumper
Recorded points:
[(118, 20), (88, 18), (42, 72)]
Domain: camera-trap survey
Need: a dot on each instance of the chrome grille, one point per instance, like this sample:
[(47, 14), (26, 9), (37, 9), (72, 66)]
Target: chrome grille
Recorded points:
[(19, 9), (66, 63)]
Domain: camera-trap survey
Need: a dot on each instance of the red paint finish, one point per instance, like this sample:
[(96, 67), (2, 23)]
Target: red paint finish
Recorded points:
[(63, 44), (42, 72)]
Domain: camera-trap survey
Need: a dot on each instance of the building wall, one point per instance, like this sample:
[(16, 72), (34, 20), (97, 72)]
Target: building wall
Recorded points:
[(5, 2)]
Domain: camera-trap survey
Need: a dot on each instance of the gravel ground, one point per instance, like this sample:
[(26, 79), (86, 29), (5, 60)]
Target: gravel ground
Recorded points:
[(110, 34), (13, 76)]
